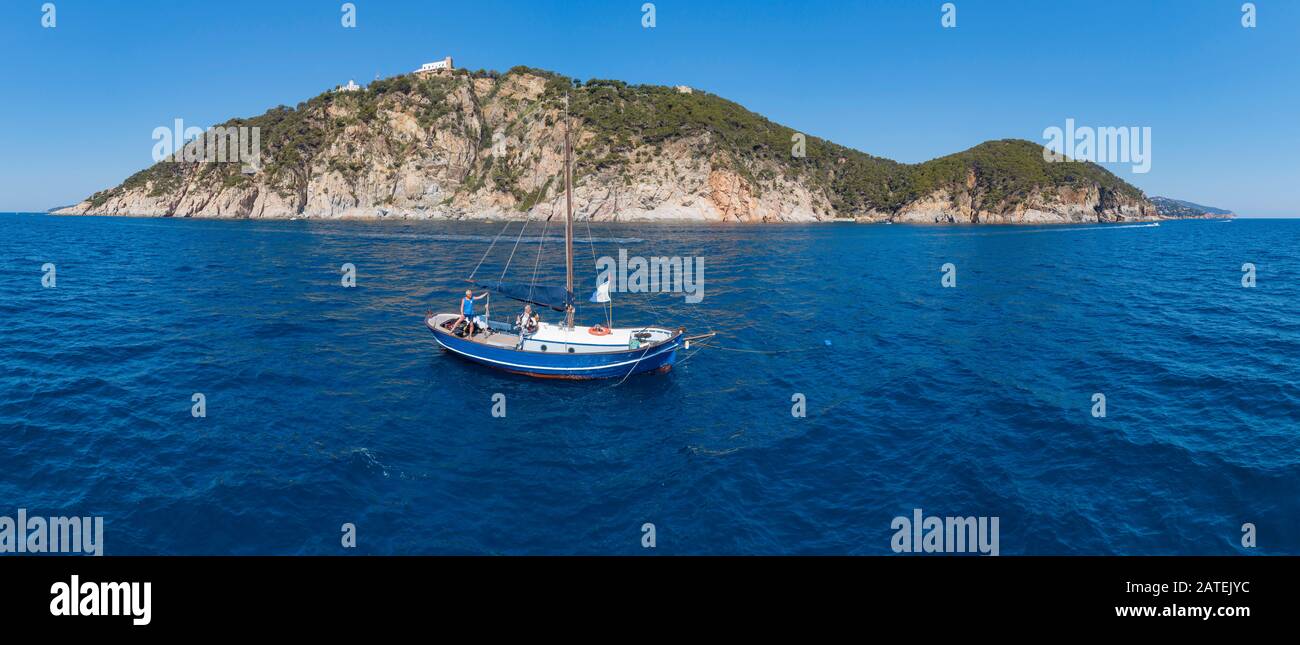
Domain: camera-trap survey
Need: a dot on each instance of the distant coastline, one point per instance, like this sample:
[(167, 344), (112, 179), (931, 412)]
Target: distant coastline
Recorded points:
[(1180, 209)]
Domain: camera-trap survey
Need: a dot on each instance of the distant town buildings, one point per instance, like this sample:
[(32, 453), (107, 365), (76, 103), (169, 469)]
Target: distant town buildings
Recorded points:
[(435, 67), (684, 89), (350, 87)]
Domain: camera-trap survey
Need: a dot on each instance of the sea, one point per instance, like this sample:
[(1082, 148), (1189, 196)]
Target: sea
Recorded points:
[(269, 387)]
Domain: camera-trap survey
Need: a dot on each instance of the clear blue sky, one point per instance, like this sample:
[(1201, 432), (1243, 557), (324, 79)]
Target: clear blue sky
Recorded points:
[(80, 101)]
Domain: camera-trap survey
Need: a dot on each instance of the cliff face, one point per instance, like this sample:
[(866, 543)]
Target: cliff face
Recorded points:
[(491, 146)]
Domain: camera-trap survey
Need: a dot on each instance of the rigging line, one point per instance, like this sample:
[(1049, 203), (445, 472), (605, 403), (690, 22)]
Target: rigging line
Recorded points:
[(489, 250), (590, 242), (540, 102), (512, 251), (540, 241), (592, 245), (639, 227)]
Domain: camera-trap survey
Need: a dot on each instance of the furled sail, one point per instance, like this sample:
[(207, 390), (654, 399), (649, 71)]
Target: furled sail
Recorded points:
[(556, 298)]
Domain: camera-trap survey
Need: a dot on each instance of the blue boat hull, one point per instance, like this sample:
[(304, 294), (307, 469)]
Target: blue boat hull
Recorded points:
[(613, 364)]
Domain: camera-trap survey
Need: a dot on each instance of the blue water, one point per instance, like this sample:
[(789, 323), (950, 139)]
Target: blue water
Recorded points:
[(328, 405)]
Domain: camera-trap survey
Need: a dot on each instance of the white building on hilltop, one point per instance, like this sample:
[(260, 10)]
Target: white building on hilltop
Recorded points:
[(684, 89), (435, 67), (350, 87)]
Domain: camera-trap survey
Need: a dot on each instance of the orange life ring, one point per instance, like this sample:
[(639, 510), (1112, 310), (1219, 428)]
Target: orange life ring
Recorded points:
[(598, 330)]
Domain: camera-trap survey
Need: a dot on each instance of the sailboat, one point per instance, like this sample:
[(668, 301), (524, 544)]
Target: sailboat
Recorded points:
[(562, 349)]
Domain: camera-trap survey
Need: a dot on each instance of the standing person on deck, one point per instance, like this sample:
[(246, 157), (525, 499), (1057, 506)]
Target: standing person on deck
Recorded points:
[(467, 311)]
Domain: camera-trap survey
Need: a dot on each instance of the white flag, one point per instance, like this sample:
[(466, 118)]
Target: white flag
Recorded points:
[(601, 294)]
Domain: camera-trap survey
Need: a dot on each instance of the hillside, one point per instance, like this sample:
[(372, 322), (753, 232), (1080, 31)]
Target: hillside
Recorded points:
[(1177, 208), (489, 145)]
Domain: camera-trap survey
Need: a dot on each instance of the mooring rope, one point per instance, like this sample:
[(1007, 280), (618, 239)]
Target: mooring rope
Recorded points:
[(688, 356), (761, 351), (633, 368)]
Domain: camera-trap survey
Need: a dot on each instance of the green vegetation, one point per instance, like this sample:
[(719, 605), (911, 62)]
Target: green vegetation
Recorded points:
[(635, 118), (631, 118), (1010, 169), (530, 199), (631, 124)]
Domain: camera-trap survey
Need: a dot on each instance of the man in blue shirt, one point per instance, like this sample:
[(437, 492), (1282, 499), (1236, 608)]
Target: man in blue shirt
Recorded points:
[(467, 311)]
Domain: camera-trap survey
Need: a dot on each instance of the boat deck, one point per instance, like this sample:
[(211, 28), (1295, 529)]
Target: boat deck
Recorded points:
[(496, 338), (493, 337)]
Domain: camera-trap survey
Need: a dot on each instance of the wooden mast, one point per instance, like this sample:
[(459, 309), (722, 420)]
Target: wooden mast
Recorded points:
[(568, 213)]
